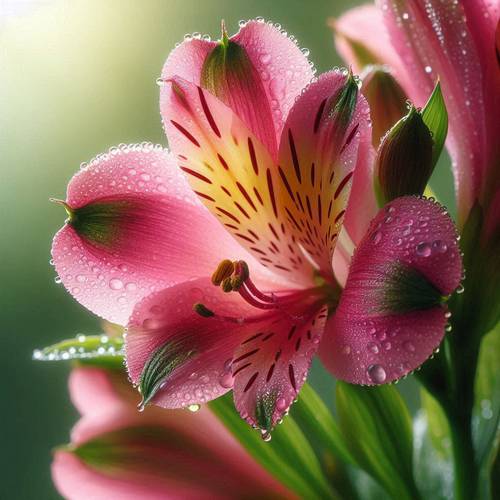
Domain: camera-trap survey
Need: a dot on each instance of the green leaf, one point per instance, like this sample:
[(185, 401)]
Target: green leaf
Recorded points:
[(288, 456), (487, 406), (377, 427), (433, 470), (313, 416), (89, 349), (437, 425), (435, 116)]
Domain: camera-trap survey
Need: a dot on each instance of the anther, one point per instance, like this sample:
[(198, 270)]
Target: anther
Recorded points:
[(224, 270), (203, 310), (227, 285)]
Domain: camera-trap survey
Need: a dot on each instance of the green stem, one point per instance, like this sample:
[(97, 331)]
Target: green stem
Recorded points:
[(464, 464)]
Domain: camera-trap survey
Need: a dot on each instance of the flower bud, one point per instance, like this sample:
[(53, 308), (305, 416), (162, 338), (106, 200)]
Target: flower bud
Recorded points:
[(404, 159), (386, 98)]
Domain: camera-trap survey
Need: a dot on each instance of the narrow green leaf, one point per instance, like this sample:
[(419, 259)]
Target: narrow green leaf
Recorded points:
[(487, 404), (437, 424), (377, 428), (435, 116), (288, 456), (312, 415), (433, 470), (99, 350)]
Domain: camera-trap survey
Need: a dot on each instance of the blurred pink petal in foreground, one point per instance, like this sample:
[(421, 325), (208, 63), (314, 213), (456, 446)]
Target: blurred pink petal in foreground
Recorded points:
[(118, 453)]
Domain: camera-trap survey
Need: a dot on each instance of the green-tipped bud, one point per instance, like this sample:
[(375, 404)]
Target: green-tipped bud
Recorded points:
[(344, 103), (226, 66), (386, 98), (405, 159)]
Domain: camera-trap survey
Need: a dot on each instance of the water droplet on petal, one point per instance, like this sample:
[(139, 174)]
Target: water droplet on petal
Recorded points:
[(423, 249), (116, 284), (376, 373), (227, 381), (281, 404), (194, 408)]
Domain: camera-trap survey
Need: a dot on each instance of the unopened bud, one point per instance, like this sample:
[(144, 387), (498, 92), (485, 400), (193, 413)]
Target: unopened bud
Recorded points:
[(386, 98), (404, 160)]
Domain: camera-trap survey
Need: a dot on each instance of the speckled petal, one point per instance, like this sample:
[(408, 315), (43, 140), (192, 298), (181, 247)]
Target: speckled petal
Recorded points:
[(391, 316)]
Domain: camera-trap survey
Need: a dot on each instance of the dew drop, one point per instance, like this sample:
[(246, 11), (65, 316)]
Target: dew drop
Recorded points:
[(194, 408), (376, 237), (266, 436), (116, 284), (423, 249), (376, 373), (428, 69), (439, 246), (372, 347), (227, 381), (281, 404)]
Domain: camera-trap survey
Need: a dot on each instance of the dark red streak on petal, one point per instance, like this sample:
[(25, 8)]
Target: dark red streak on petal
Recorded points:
[(223, 161), (246, 195), (270, 373), (228, 214), (342, 184), (319, 114), (197, 175), (240, 369), (295, 158), (208, 114), (291, 376), (349, 138), (203, 195), (271, 192), (246, 355), (183, 131), (339, 216), (253, 158), (251, 381)]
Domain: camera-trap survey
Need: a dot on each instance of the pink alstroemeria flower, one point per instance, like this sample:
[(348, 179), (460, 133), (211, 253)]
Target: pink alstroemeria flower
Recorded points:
[(270, 154), (457, 42), (116, 452)]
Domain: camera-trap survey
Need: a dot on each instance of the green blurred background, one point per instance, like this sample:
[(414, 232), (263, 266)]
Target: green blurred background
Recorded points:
[(77, 77)]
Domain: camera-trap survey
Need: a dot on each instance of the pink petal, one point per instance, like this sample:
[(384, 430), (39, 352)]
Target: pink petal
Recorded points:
[(361, 26), (92, 390), (368, 342), (434, 41), (281, 71), (271, 364), (362, 205), (316, 164), (283, 68), (168, 316), (200, 458), (166, 236), (233, 174)]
